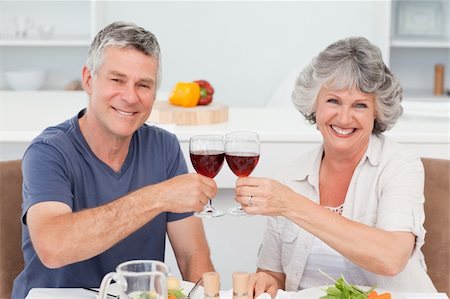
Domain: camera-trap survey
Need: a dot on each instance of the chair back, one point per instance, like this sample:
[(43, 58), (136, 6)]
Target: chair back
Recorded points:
[(437, 222), (11, 258)]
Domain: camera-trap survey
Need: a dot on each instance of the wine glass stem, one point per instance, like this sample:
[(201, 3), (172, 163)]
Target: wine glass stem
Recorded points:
[(209, 206)]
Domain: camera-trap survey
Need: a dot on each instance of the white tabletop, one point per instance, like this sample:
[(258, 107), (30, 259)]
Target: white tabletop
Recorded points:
[(56, 293), (47, 293)]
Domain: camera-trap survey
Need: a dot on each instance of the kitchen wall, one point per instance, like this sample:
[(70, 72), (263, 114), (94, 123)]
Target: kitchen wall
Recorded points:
[(246, 48)]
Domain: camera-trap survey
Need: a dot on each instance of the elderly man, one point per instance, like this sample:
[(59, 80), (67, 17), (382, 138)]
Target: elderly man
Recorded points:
[(103, 187)]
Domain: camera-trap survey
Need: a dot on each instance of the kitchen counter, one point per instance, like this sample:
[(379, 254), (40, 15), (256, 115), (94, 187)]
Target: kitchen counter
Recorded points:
[(284, 133), (23, 115)]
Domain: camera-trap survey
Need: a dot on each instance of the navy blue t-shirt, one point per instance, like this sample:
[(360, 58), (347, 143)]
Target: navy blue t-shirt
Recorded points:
[(60, 166)]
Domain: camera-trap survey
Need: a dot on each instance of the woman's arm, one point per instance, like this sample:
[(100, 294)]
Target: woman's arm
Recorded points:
[(377, 250)]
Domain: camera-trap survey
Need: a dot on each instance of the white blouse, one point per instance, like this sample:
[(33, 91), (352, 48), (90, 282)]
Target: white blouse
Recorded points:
[(323, 257), (386, 191)]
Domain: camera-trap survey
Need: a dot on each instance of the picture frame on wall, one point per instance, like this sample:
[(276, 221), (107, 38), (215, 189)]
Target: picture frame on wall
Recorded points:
[(421, 19)]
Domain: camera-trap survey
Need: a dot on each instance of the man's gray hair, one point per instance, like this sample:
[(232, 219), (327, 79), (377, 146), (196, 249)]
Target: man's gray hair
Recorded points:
[(346, 64), (123, 35)]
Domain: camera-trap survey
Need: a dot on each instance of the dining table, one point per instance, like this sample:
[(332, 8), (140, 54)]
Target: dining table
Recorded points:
[(79, 293)]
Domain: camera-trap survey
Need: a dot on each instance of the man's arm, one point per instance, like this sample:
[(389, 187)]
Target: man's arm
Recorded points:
[(61, 237), (190, 247)]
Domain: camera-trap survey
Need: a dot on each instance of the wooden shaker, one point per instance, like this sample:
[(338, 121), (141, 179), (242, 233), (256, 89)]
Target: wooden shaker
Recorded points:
[(439, 80), (211, 285), (240, 285)]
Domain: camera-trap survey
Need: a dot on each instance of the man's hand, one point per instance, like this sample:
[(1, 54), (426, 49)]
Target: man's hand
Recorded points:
[(183, 193)]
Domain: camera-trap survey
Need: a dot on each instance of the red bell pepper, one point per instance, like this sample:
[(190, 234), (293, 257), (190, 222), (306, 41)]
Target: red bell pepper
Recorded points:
[(206, 92)]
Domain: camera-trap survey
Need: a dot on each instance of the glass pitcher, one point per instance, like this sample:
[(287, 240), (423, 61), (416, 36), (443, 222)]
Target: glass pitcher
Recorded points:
[(139, 279)]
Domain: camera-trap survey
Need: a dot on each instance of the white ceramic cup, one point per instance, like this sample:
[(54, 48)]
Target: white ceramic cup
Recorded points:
[(23, 26), (138, 279)]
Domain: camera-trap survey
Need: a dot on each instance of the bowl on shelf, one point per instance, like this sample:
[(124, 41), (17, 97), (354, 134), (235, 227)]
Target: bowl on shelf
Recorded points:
[(46, 31), (25, 79)]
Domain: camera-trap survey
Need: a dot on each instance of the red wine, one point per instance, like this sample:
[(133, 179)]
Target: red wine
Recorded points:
[(242, 164), (207, 163)]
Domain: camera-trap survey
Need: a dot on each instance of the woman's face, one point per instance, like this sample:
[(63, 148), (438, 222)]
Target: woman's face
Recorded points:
[(346, 119)]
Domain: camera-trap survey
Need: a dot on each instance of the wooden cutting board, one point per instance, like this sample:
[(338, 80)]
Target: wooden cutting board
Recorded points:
[(165, 113)]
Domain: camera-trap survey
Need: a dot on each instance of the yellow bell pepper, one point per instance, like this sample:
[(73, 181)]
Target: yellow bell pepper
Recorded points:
[(185, 94)]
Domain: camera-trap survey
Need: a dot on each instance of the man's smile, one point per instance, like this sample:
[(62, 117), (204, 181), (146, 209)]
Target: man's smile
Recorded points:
[(125, 113)]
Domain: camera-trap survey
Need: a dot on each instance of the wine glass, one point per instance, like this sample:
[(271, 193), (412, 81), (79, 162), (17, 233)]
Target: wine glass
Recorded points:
[(207, 156), (242, 155)]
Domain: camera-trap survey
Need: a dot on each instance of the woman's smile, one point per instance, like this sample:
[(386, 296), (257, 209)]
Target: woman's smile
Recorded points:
[(342, 131)]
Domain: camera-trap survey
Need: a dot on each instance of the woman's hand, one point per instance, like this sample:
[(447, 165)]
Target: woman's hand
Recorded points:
[(263, 196), (265, 282)]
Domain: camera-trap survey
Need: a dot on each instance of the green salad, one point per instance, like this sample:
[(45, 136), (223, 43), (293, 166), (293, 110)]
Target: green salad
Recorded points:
[(344, 290)]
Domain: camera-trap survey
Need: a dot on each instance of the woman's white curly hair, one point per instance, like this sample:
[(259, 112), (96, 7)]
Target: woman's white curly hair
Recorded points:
[(346, 64)]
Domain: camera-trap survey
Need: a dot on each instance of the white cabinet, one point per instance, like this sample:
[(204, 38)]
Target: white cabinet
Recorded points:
[(420, 40), (46, 35)]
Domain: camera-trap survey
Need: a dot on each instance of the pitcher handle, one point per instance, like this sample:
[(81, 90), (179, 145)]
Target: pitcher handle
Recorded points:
[(103, 290)]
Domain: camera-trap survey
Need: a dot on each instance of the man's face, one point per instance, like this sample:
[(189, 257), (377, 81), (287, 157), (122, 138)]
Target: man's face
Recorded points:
[(122, 92)]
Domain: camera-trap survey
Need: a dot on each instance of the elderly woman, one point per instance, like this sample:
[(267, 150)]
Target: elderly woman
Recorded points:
[(354, 205)]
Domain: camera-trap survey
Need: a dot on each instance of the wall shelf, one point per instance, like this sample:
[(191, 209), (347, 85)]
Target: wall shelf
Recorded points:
[(398, 43), (55, 42)]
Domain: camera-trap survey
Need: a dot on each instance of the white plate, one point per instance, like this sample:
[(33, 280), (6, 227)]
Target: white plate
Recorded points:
[(186, 286), (317, 292)]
